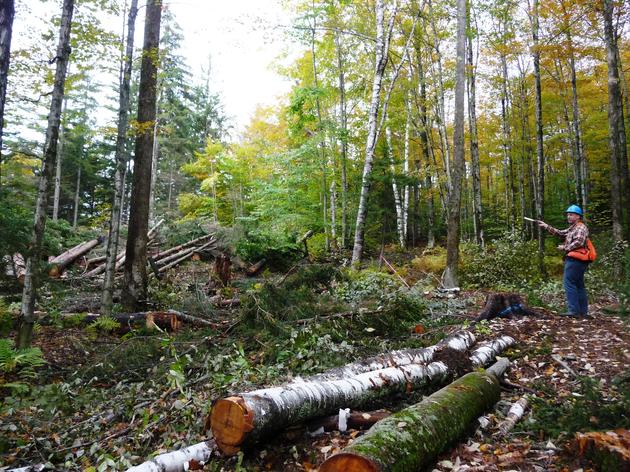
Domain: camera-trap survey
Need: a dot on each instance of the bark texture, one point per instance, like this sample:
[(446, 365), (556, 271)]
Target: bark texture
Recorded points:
[(121, 163), (460, 341), (615, 120), (178, 461), (450, 279), (7, 12), (382, 48), (135, 286), (59, 263), (412, 438), (50, 153), (540, 157), (241, 419)]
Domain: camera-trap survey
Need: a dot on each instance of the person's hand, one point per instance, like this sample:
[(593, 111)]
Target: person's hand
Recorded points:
[(542, 224), (560, 247)]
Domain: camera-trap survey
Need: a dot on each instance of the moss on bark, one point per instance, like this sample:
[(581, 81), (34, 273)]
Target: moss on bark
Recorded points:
[(413, 437)]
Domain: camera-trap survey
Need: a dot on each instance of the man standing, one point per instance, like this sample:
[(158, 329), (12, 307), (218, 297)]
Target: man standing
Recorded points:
[(574, 237)]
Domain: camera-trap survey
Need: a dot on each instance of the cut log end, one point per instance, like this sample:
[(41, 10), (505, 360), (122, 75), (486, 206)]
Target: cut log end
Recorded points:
[(348, 462), (230, 420)]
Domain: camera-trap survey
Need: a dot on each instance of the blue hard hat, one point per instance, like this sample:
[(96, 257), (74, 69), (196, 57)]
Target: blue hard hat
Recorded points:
[(575, 209)]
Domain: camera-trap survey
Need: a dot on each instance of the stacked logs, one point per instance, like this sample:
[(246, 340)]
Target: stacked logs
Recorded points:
[(164, 260)]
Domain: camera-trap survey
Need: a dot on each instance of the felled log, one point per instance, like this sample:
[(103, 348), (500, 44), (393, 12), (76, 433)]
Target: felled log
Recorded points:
[(460, 341), (238, 420), (190, 458), (165, 320), (243, 418), (254, 269), (194, 242), (59, 263), (486, 352), (413, 437), (514, 415), (182, 258), (353, 420), (16, 267)]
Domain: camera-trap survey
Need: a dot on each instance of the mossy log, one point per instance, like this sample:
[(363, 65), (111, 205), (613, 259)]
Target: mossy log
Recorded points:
[(243, 418), (460, 341), (413, 437)]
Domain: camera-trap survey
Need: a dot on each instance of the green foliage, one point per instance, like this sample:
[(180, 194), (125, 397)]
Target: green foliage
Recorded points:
[(17, 366), (586, 410), (310, 350), (180, 232), (104, 324), (508, 264), (15, 226), (6, 318), (280, 250), (366, 284), (303, 294)]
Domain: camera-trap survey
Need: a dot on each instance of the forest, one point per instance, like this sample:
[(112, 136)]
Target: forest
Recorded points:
[(364, 276)]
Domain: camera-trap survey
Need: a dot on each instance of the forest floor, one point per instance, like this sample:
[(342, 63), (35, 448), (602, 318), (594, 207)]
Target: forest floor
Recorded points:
[(104, 402)]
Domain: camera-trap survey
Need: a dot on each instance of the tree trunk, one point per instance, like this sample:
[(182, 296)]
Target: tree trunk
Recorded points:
[(397, 200), (344, 143), (77, 194), (121, 162), (577, 132), (441, 112), (424, 140), (507, 145), (194, 242), (321, 137), (7, 12), (135, 286), (405, 206), (59, 263), (540, 188), (474, 145), (381, 50), (57, 193), (450, 278), (614, 121), (178, 461), (50, 153), (412, 438)]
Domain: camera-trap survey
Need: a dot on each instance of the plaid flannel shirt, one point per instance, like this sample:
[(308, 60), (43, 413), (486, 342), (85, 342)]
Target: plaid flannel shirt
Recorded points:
[(574, 236)]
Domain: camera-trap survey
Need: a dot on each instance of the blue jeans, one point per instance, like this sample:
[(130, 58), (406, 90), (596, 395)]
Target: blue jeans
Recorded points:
[(577, 300)]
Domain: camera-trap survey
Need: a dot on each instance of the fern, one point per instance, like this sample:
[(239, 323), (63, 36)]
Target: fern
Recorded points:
[(105, 324), (19, 363)]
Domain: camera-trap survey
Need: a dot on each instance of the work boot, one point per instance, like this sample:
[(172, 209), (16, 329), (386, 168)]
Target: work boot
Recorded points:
[(569, 315), (586, 316)]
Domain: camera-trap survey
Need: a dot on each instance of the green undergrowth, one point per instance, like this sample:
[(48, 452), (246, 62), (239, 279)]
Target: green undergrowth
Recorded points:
[(587, 409)]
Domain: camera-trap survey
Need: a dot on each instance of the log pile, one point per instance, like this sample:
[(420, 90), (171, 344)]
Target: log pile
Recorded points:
[(162, 260), (241, 419)]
